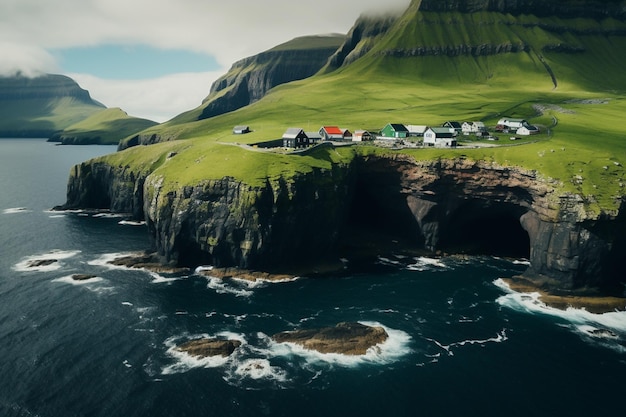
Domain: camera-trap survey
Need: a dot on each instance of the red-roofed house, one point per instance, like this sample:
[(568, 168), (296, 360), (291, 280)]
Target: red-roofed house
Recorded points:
[(331, 133)]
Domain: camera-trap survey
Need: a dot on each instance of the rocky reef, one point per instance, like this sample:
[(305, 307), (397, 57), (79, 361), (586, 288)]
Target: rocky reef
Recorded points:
[(455, 206), (344, 338)]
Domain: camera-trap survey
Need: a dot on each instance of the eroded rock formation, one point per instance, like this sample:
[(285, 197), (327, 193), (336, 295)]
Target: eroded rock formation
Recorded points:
[(344, 338), (455, 205), (205, 348)]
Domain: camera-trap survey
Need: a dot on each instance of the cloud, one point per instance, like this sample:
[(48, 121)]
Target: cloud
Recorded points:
[(157, 99), (225, 32), (229, 31), (29, 60)]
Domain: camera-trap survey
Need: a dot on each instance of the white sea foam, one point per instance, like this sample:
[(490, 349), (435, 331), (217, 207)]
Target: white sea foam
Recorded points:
[(258, 369), (131, 223), (423, 263), (185, 362), (69, 280), (16, 210), (606, 326), (56, 216), (396, 346), (521, 262), (160, 279), (228, 286), (54, 256), (499, 338), (107, 216)]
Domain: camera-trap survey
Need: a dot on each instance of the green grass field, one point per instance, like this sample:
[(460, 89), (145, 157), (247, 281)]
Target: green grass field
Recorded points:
[(582, 145)]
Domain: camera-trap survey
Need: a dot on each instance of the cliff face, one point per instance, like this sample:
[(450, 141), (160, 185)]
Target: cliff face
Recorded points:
[(449, 205), (359, 40), (250, 79), (563, 8)]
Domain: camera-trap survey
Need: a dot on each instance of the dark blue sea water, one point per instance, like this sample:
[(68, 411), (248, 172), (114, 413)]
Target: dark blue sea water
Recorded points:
[(460, 345)]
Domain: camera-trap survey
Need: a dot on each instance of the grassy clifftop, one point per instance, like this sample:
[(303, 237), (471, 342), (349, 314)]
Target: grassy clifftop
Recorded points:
[(564, 74)]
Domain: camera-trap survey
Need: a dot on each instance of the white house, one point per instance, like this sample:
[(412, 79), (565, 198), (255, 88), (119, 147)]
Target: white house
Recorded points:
[(416, 130), (440, 137), (473, 127), (527, 130), (361, 136)]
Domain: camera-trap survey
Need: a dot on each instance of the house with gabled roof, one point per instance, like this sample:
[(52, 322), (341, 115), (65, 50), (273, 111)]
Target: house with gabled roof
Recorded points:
[(394, 130), (416, 130), (440, 137), (458, 128), (241, 130), (295, 137), (347, 135), (362, 136), (473, 127), (331, 133)]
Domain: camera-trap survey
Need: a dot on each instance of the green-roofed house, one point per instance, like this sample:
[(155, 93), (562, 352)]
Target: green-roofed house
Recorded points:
[(395, 130)]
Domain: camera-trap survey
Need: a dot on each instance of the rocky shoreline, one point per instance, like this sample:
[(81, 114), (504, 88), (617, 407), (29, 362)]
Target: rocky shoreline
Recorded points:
[(589, 300)]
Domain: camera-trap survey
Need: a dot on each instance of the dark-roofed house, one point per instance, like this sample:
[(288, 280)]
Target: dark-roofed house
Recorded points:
[(458, 127), (395, 130), (241, 130), (440, 137), (295, 137)]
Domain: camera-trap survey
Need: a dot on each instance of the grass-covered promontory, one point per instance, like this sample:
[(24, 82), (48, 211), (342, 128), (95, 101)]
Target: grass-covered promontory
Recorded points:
[(39, 106), (564, 74), (102, 128)]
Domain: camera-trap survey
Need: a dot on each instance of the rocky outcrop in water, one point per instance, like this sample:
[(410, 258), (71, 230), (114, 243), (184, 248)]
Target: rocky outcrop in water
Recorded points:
[(344, 338), (457, 206), (204, 348)]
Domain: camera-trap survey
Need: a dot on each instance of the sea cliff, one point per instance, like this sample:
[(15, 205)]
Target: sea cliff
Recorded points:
[(455, 205)]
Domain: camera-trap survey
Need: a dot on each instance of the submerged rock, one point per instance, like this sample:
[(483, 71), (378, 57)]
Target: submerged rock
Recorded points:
[(149, 261), (204, 348), (82, 277), (344, 338), (38, 263)]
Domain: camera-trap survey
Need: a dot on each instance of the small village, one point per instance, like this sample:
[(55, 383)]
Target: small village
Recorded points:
[(400, 135)]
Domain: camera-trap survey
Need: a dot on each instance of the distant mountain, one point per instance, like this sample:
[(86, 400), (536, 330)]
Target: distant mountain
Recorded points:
[(105, 127), (41, 106), (250, 79)]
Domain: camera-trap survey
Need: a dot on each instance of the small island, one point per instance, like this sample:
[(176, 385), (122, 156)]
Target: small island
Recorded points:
[(345, 338)]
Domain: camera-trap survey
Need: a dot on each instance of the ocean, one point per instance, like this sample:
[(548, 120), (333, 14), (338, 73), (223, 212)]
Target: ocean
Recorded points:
[(461, 343)]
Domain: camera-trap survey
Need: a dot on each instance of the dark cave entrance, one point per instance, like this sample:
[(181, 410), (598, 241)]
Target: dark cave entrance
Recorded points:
[(379, 220), (480, 227)]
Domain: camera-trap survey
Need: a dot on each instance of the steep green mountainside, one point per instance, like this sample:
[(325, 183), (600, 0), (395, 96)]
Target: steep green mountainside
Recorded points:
[(563, 73), (102, 128), (40, 106), (250, 79)]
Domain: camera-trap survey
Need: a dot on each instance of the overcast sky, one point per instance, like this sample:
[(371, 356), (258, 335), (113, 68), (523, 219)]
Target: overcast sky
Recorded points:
[(158, 58)]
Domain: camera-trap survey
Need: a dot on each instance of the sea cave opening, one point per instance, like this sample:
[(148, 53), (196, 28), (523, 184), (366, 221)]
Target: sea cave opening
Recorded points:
[(379, 220), (480, 227)]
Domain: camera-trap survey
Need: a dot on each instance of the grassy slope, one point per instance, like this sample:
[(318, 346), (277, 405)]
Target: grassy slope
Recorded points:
[(105, 127), (586, 150), (44, 114)]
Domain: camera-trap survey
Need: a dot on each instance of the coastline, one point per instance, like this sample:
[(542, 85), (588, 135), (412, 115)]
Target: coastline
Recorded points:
[(597, 304)]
